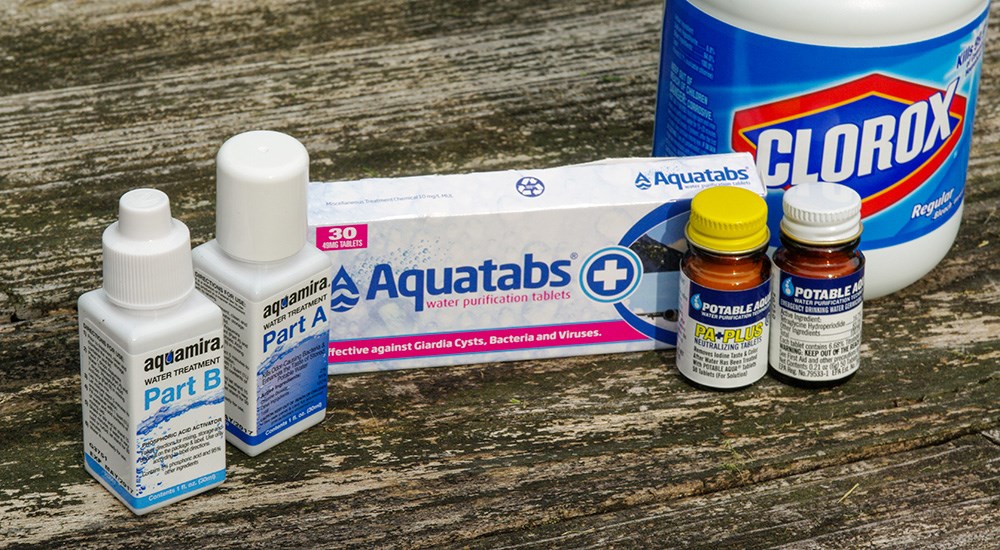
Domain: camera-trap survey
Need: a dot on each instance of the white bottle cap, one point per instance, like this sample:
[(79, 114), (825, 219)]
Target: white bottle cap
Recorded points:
[(147, 254), (261, 180), (821, 213)]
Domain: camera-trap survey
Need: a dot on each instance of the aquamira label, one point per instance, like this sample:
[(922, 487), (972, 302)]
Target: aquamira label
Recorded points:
[(302, 294), (275, 355), (171, 400), (180, 353)]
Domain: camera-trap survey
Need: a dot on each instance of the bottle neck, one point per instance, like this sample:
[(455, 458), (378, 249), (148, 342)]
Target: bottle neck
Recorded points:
[(726, 271), (148, 311), (726, 258), (819, 261), (831, 249), (261, 263)]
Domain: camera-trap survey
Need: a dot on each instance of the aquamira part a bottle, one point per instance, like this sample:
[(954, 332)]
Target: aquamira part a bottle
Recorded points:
[(273, 288), (878, 95), (724, 290)]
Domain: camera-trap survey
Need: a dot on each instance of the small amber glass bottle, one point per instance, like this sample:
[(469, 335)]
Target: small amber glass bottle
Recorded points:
[(818, 283), (725, 291)]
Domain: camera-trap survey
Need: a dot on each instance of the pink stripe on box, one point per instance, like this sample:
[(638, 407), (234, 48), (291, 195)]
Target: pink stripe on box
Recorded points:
[(481, 341)]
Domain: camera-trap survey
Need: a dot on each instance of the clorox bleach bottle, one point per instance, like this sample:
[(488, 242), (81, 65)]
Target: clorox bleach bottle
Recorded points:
[(878, 95)]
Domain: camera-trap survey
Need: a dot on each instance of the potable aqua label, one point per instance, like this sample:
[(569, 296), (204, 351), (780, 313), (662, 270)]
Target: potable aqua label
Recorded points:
[(722, 335), (816, 325)]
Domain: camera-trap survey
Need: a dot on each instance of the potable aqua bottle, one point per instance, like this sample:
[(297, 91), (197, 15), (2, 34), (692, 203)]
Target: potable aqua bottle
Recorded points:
[(725, 290), (818, 287)]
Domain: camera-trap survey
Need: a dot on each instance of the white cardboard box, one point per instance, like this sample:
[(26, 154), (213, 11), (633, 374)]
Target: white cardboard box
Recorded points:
[(512, 265)]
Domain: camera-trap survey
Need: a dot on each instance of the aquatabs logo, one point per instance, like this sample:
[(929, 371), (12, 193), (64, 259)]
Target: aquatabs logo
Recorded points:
[(276, 307), (610, 274), (488, 276), (880, 135), (159, 362), (344, 294), (680, 179)]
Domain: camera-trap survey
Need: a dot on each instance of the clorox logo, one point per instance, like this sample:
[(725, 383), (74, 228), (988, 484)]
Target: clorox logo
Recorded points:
[(880, 135), (344, 293)]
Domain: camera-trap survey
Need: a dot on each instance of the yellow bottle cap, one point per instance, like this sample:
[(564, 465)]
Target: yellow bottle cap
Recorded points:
[(728, 219)]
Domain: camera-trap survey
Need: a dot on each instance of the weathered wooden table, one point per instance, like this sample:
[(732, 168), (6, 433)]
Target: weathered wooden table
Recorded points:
[(99, 97)]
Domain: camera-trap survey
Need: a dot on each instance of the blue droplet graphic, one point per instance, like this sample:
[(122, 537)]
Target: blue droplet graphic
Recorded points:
[(344, 294), (787, 287)]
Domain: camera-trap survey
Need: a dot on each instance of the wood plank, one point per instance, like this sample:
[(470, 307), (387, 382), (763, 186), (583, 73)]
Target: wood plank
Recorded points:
[(944, 496), (460, 87), (441, 455), (98, 97)]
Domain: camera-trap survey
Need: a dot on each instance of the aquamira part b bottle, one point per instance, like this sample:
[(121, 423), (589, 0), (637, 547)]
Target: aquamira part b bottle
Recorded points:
[(151, 374), (878, 95)]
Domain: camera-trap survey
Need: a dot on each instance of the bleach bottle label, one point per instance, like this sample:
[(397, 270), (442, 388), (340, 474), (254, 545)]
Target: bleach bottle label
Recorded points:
[(892, 122)]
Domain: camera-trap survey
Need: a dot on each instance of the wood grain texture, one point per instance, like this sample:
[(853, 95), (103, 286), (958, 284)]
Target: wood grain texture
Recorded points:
[(944, 495), (99, 97)]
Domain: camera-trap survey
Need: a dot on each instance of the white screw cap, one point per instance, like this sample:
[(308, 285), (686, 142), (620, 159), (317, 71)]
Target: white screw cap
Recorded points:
[(821, 213), (147, 254), (261, 180)]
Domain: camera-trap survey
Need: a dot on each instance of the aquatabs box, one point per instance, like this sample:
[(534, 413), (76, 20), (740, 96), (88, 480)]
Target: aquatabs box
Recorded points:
[(498, 266)]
